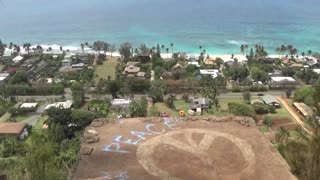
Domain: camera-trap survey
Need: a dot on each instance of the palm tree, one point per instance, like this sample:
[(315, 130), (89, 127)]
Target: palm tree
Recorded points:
[(242, 48), (309, 52), (278, 51), (200, 47), (303, 54), (167, 50), (204, 51), (172, 47), (245, 48), (86, 44), (82, 47), (162, 47), (61, 49)]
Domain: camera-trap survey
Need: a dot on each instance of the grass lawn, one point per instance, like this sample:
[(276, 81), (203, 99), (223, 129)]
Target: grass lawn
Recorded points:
[(224, 102), (263, 129), (5, 117), (20, 118), (41, 121), (108, 68), (162, 107), (1, 67), (181, 104)]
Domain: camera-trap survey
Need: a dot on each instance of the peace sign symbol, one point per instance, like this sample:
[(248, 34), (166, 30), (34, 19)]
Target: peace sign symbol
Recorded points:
[(205, 152)]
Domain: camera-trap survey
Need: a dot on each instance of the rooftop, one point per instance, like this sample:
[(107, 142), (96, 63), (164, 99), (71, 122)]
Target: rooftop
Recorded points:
[(62, 105), (17, 58), (28, 105), (303, 108), (116, 102), (12, 128), (268, 99), (278, 79)]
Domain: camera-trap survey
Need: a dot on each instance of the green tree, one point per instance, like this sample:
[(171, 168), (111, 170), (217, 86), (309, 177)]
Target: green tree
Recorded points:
[(211, 87), (77, 94), (282, 135), (125, 50), (138, 108), (158, 89), (247, 97), (114, 88)]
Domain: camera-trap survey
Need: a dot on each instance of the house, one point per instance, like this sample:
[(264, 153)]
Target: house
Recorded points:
[(195, 63), (203, 103), (131, 69), (4, 77), (316, 71), (28, 64), (303, 109), (144, 58), (17, 59), (282, 82), (213, 72), (177, 67), (61, 105), (141, 75), (78, 66), (29, 105), (271, 100), (13, 129), (296, 66), (66, 62), (132, 63), (120, 102), (81, 58)]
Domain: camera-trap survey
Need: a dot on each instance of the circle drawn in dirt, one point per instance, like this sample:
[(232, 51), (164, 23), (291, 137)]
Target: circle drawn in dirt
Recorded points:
[(193, 149)]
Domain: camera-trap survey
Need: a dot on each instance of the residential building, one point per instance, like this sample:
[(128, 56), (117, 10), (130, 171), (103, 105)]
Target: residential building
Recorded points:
[(66, 62), (13, 129), (17, 59), (282, 82), (213, 72), (29, 105), (303, 109), (203, 103), (270, 100), (61, 105), (4, 77)]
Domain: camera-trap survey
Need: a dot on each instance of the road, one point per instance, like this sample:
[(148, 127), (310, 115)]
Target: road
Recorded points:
[(136, 96)]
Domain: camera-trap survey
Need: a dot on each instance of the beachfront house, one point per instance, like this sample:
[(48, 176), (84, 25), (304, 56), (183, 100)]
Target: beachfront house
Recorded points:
[(270, 100), (195, 63), (29, 105), (78, 66), (13, 129)]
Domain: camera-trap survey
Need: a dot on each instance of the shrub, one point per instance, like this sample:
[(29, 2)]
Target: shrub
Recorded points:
[(267, 121), (185, 97), (271, 109), (260, 108), (240, 109), (17, 111), (170, 101)]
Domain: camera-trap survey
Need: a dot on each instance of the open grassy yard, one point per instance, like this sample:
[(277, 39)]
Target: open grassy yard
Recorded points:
[(20, 118), (162, 107), (108, 68), (181, 104), (41, 121), (224, 102)]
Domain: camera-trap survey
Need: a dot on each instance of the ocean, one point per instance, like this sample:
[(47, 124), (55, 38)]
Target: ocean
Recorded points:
[(220, 26)]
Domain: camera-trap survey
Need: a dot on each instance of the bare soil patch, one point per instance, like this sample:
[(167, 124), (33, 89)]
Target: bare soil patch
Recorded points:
[(178, 149)]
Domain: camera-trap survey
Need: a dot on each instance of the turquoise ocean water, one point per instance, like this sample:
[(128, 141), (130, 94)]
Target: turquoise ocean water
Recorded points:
[(220, 26)]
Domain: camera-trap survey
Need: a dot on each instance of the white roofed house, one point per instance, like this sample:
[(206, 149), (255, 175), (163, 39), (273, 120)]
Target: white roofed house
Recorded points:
[(17, 59), (61, 105), (4, 78), (213, 72), (282, 82)]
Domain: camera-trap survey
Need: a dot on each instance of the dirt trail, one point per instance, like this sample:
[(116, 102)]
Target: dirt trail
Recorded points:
[(294, 115)]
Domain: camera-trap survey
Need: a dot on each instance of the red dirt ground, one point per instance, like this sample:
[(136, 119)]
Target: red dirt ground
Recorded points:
[(191, 150)]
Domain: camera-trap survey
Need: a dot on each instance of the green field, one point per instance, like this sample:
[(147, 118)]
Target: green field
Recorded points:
[(20, 118), (162, 107), (40, 122), (108, 68)]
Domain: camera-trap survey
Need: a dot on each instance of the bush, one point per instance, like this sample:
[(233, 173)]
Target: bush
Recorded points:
[(240, 109), (185, 97), (267, 121), (170, 101), (17, 111), (258, 88), (271, 109), (260, 108)]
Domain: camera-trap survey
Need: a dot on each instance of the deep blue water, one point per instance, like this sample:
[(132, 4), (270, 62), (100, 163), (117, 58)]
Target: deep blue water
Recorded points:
[(218, 25)]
